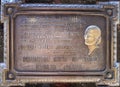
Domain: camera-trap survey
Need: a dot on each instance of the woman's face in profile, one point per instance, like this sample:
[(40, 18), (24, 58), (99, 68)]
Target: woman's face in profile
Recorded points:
[(90, 38)]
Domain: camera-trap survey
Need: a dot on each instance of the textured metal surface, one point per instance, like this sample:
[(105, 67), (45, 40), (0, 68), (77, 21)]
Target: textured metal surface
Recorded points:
[(37, 1), (61, 1), (56, 42)]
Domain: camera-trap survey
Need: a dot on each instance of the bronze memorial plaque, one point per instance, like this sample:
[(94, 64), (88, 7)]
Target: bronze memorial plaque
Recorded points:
[(60, 43)]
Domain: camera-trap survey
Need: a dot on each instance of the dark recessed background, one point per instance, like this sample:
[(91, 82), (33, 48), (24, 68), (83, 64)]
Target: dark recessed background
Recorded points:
[(65, 1)]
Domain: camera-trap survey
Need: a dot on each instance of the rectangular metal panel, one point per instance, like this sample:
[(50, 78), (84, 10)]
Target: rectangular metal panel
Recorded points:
[(60, 43), (56, 42)]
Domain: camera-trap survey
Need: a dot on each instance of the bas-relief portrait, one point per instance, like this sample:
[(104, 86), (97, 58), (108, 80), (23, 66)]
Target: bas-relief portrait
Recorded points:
[(92, 38)]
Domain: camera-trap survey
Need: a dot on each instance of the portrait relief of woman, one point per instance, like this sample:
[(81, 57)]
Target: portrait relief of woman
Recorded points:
[(92, 38)]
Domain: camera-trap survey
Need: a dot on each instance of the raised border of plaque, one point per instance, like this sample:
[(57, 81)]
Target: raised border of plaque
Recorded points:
[(109, 76)]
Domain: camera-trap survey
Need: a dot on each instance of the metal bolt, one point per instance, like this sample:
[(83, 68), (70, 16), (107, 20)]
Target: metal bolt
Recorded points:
[(10, 10), (10, 76), (109, 12), (109, 75)]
